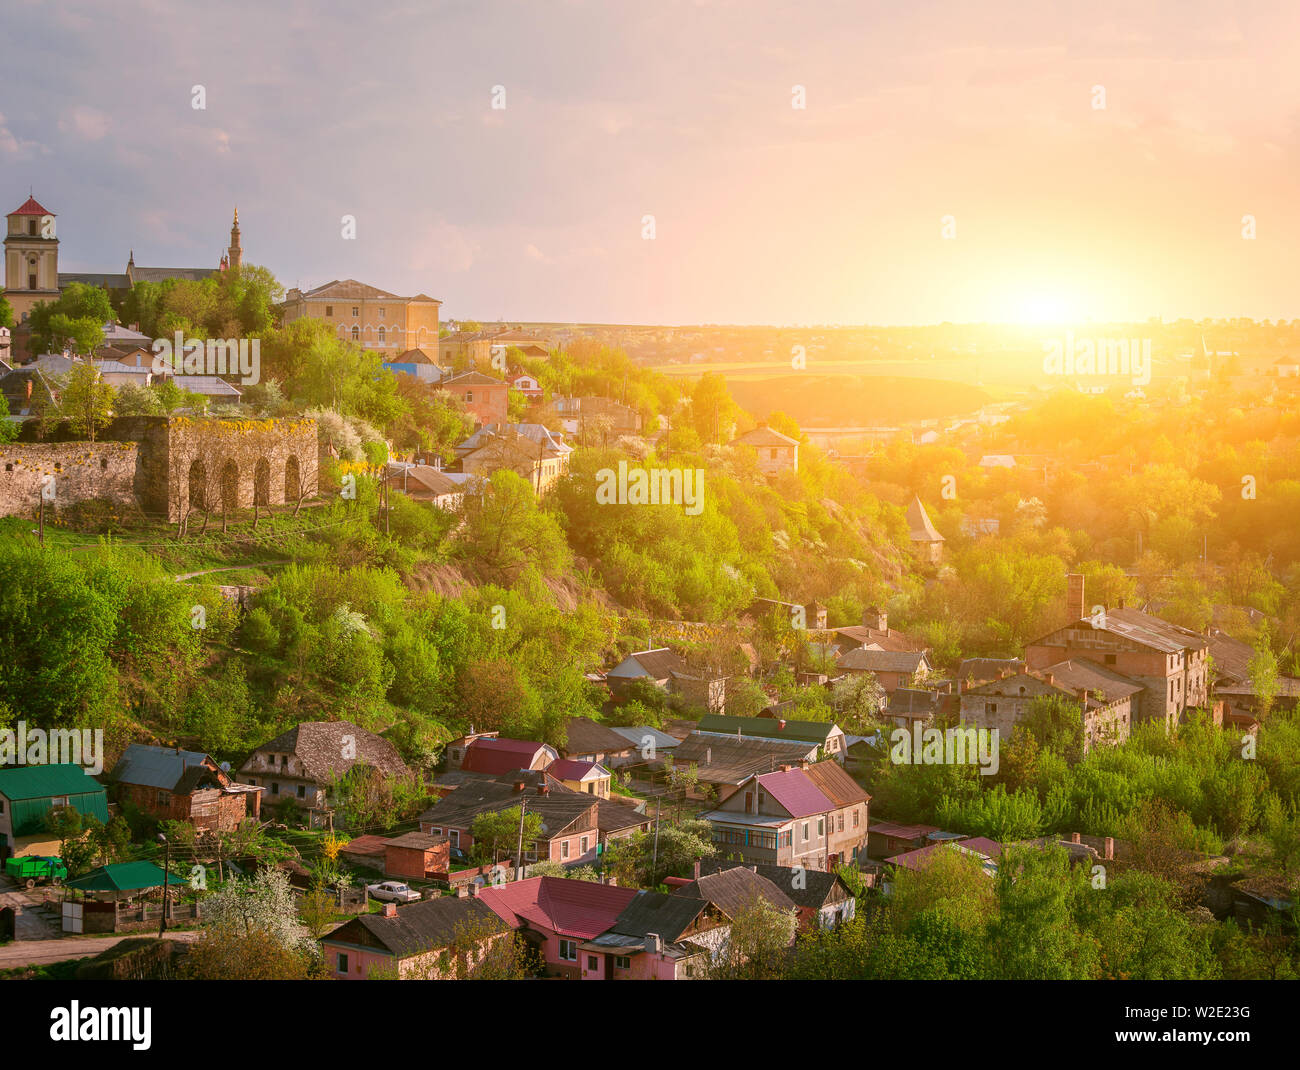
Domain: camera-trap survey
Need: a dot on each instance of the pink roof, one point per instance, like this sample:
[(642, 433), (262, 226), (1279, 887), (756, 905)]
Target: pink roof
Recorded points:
[(796, 792), (907, 832), (921, 857), (581, 909), (30, 207), (498, 756), (572, 769)]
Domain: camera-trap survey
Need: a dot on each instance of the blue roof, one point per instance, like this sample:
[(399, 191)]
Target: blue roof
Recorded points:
[(154, 767)]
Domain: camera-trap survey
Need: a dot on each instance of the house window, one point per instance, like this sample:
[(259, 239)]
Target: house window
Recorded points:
[(593, 963), (855, 818), (31, 227), (302, 791), (821, 826), (31, 281), (564, 848), (356, 311), (381, 336), (469, 397), (569, 950), (990, 707), (275, 788), (356, 333), (435, 831), (622, 962), (329, 310), (839, 823), (162, 798), (805, 831), (583, 847), (455, 837), (1110, 659), (381, 313), (343, 963)]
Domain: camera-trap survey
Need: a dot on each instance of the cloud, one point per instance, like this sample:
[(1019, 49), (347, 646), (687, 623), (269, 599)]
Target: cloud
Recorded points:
[(86, 123)]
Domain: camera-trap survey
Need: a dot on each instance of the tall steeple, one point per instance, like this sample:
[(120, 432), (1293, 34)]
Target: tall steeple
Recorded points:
[(235, 253)]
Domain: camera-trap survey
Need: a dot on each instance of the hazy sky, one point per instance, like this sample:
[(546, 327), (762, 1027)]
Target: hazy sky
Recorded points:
[(764, 213)]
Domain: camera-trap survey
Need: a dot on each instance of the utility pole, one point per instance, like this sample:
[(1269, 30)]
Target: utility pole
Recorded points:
[(41, 528), (519, 854), (654, 864), (167, 868)]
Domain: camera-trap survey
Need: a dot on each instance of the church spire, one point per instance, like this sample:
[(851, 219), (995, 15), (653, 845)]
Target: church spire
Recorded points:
[(235, 254)]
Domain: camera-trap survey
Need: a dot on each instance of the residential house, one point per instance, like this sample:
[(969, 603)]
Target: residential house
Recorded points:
[(1106, 699), (812, 616), (907, 706), (658, 937), (541, 458), (418, 940), (776, 452), (892, 668), (555, 916), (417, 363), (648, 744), (874, 631), (723, 762), (496, 756), (781, 817), (984, 851), (822, 898), (570, 830), (528, 386), (484, 395), (888, 838), (735, 890), (1167, 662), (975, 671), (426, 483), (583, 777), (585, 415), (667, 671), (302, 763), (587, 741), (182, 785), (29, 792), (846, 832), (827, 735)]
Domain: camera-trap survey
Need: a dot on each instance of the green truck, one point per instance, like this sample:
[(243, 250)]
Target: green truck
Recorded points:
[(31, 869)]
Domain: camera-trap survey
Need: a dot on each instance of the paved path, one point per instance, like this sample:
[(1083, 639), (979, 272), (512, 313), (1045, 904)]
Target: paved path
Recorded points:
[(43, 952)]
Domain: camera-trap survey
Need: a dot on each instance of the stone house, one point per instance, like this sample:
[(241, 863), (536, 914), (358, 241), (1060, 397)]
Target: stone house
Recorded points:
[(776, 452)]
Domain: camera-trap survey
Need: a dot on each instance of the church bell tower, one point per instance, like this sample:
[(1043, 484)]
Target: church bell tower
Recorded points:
[(235, 254)]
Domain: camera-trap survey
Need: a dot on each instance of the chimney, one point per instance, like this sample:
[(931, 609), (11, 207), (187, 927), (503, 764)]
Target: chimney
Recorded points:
[(875, 618), (1074, 597), (519, 786), (462, 892), (780, 725), (473, 888), (1075, 837), (543, 789), (1049, 679), (1082, 693), (708, 755), (697, 869), (1110, 847), (785, 768), (390, 910), (653, 944)]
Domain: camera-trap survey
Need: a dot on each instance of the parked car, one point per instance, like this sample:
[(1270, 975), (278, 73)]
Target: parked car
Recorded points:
[(459, 857), (393, 892), (34, 869)]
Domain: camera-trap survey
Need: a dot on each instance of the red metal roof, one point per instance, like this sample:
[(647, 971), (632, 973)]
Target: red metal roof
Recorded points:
[(922, 857), (499, 756), (571, 769), (796, 792), (30, 207), (581, 909)]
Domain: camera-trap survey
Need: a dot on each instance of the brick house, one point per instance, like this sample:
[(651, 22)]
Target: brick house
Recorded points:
[(892, 668), (182, 785), (484, 396), (416, 856), (1169, 663), (1106, 699)]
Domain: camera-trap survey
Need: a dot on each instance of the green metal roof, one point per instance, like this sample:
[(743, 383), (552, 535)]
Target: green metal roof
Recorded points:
[(40, 781), (124, 877), (766, 728)]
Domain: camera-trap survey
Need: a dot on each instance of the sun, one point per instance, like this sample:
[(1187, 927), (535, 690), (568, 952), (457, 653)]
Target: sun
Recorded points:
[(1036, 309)]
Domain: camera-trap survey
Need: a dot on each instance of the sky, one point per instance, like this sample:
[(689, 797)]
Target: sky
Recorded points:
[(951, 162)]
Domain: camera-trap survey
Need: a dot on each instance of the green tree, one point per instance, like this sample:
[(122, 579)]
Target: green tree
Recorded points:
[(87, 400)]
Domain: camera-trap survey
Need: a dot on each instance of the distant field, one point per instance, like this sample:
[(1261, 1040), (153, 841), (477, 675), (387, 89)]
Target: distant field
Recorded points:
[(855, 400)]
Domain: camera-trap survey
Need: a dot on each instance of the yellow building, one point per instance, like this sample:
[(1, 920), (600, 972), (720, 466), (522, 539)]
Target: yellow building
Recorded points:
[(373, 318)]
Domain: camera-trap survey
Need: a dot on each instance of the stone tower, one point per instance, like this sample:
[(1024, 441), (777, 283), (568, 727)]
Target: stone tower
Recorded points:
[(235, 254)]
